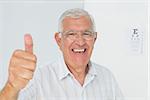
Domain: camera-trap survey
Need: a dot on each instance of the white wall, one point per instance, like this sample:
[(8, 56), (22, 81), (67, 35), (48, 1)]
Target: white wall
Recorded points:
[(115, 49), (39, 18)]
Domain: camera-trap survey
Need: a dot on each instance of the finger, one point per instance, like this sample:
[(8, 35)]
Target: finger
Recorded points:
[(23, 73), (28, 43), (22, 63), (24, 55)]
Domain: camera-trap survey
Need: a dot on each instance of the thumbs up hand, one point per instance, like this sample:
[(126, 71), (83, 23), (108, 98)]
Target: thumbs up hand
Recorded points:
[(22, 65)]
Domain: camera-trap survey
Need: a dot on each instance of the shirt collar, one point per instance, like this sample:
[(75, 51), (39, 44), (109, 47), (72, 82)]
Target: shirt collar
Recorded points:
[(62, 71), (92, 70)]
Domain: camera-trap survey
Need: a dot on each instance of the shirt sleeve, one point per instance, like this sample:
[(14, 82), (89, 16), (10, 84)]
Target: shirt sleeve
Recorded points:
[(28, 93)]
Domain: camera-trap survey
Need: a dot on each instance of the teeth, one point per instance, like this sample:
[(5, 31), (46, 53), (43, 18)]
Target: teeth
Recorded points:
[(78, 50)]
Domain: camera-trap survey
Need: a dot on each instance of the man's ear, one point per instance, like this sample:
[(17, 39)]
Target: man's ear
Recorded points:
[(58, 39), (95, 36)]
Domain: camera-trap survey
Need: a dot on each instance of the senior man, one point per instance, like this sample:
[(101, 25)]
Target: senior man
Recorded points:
[(72, 77)]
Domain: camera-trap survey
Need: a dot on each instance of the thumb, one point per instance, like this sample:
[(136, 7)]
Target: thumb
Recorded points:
[(28, 43)]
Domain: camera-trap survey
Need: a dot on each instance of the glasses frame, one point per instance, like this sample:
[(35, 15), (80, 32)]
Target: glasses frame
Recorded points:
[(75, 34)]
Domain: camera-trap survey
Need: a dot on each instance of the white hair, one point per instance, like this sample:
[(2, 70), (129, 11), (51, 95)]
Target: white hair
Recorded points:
[(75, 13)]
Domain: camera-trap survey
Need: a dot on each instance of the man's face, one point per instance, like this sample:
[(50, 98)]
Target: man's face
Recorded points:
[(76, 51)]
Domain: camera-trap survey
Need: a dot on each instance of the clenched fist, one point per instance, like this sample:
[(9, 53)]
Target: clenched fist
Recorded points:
[(22, 65)]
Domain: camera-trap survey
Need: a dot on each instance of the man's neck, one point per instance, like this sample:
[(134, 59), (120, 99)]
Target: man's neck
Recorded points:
[(79, 73)]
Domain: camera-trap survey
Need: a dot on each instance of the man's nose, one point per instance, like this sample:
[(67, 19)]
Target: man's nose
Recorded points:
[(80, 40)]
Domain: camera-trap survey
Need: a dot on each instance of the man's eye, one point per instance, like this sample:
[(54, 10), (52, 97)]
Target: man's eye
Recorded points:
[(86, 33), (71, 33)]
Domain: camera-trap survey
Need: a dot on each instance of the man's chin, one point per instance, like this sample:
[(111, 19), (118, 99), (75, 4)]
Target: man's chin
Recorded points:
[(80, 63)]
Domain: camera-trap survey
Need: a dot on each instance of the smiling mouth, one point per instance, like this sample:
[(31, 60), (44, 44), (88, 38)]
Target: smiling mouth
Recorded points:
[(79, 50)]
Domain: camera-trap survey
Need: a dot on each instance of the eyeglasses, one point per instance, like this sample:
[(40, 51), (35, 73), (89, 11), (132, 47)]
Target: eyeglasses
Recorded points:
[(73, 35)]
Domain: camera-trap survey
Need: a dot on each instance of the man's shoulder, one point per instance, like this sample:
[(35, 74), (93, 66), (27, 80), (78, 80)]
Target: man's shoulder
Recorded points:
[(99, 67), (46, 69), (48, 65), (101, 70)]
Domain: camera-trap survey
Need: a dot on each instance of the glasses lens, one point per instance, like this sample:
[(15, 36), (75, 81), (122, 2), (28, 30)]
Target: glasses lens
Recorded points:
[(87, 35)]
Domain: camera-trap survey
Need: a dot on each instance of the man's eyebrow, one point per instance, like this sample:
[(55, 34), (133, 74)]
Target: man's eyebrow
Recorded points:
[(68, 30), (89, 30)]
